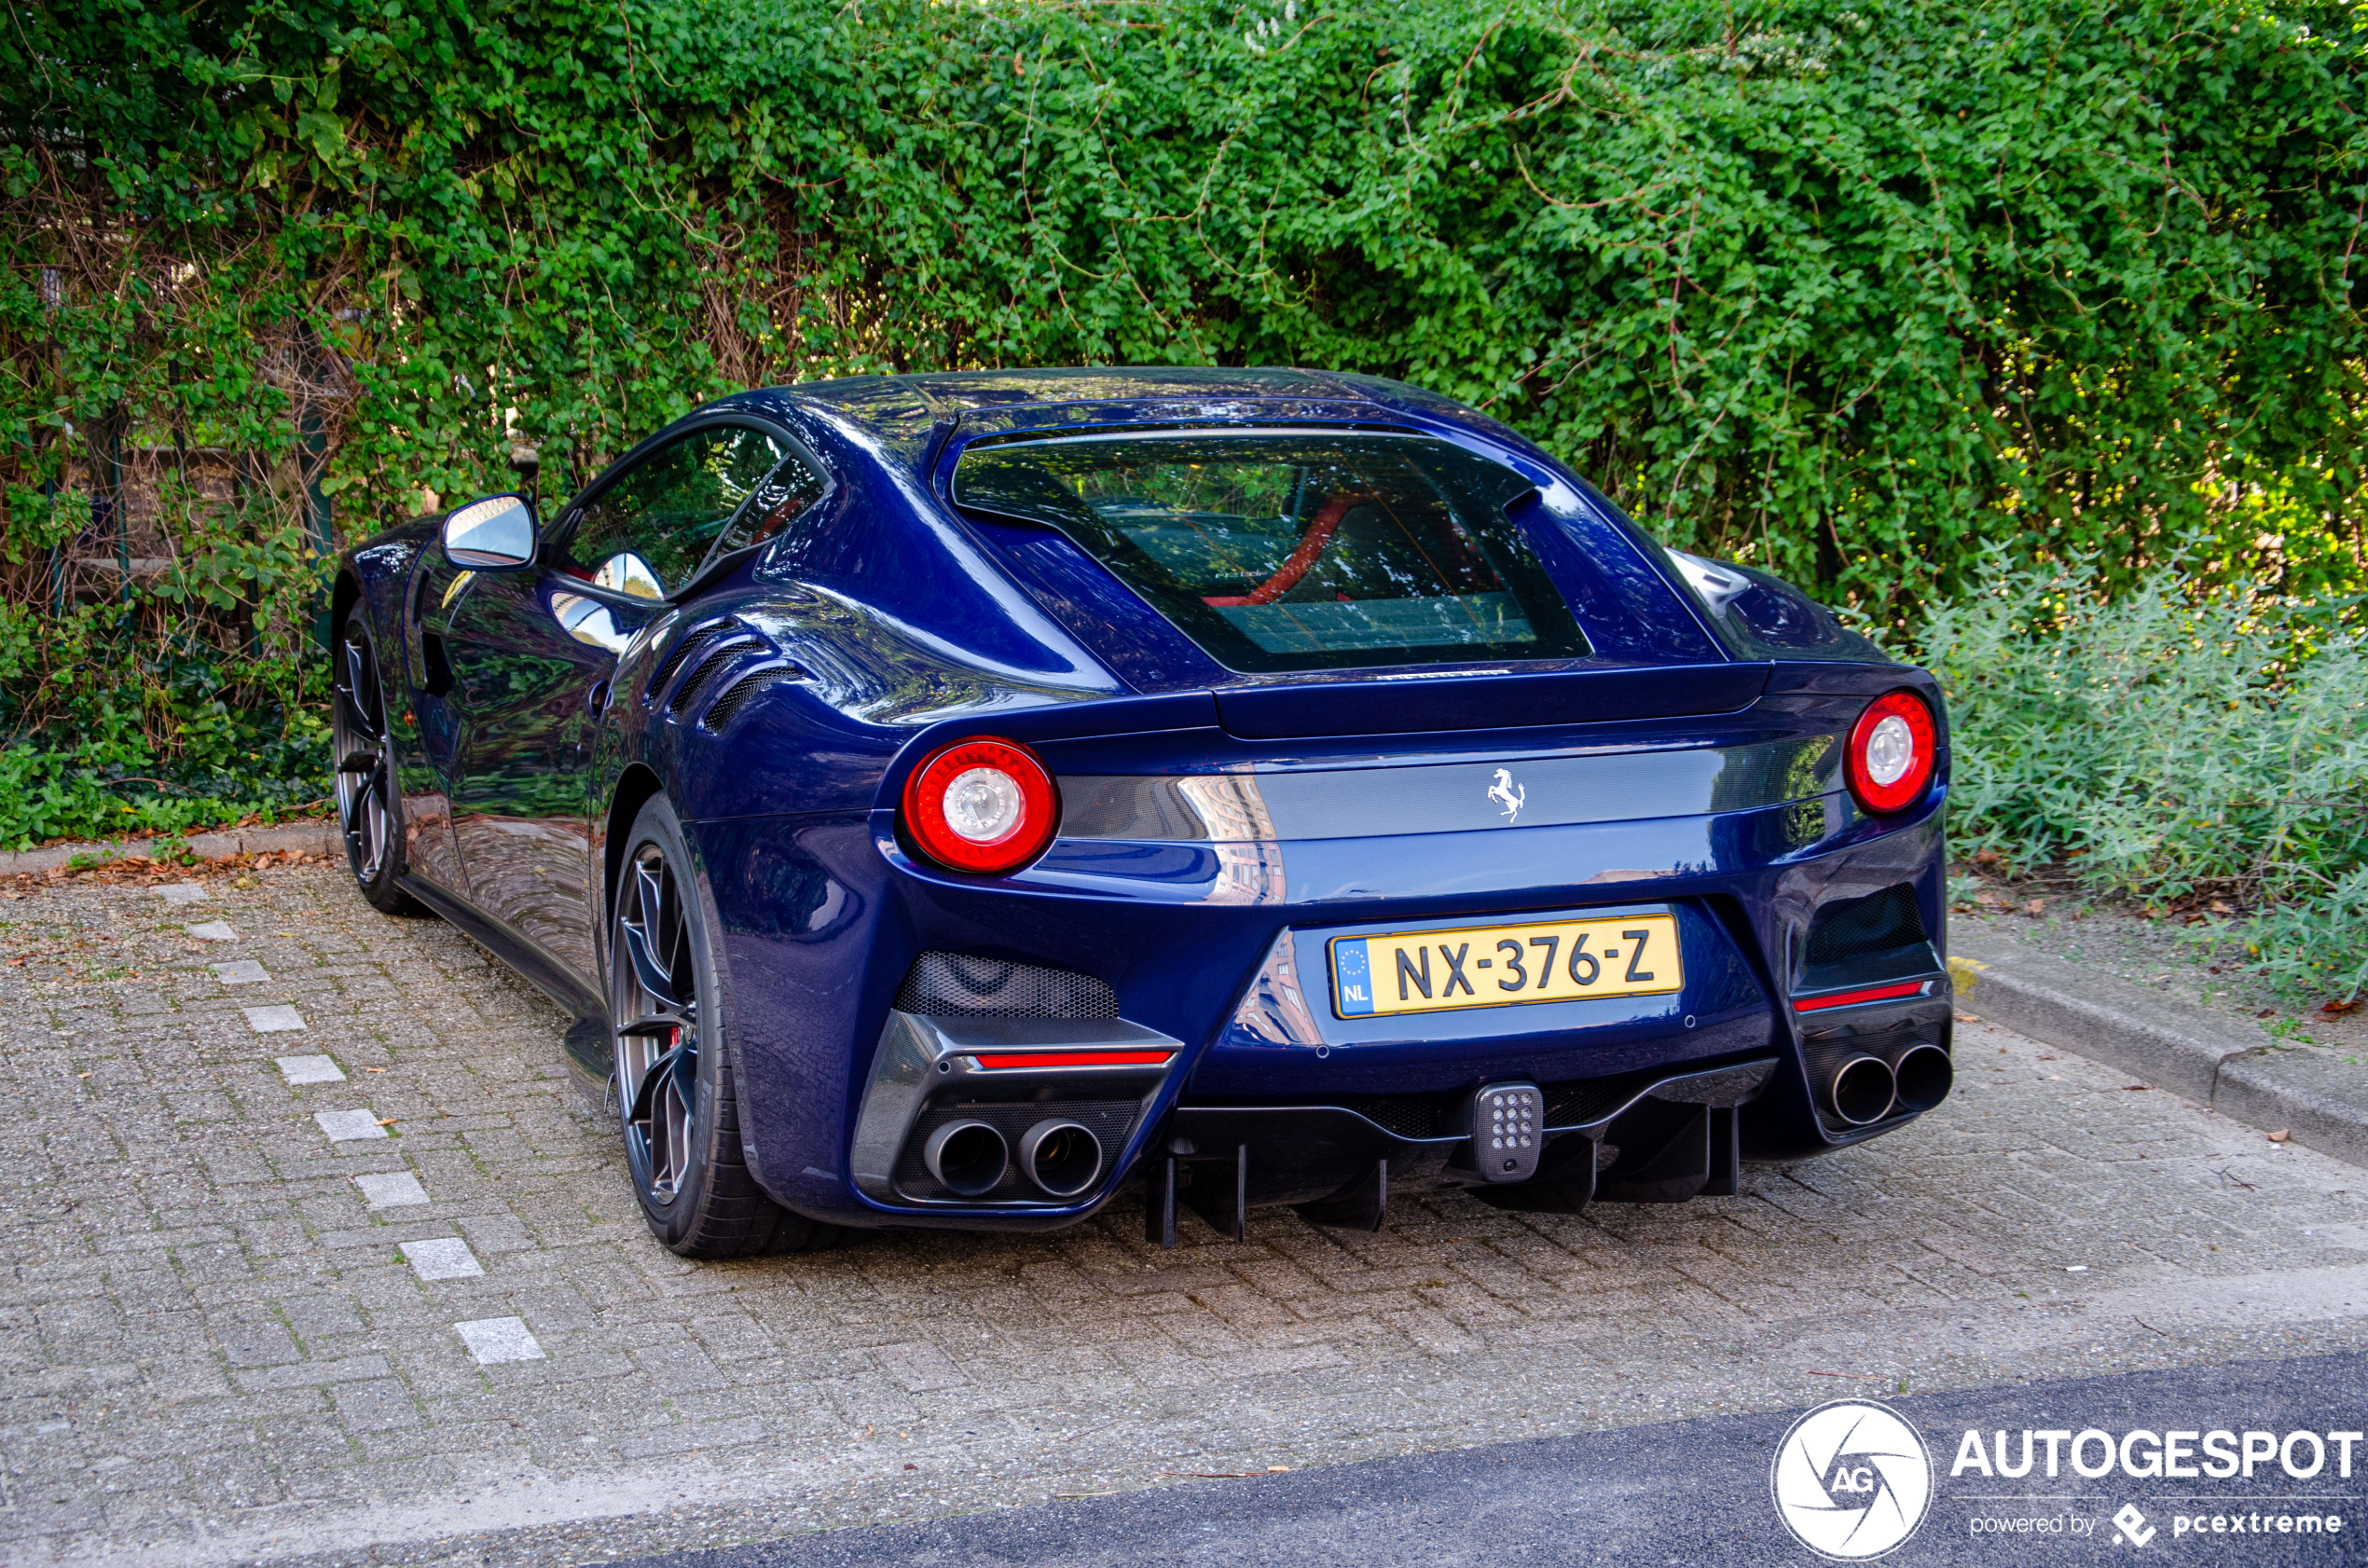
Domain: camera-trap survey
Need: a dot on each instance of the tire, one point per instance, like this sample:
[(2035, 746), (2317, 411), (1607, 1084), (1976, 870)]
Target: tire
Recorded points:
[(671, 1036), (369, 801)]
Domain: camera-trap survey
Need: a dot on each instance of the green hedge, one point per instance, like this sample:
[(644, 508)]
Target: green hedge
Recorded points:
[(1846, 291)]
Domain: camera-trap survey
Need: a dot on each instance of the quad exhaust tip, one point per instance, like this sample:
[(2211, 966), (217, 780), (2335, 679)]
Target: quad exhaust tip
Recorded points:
[(970, 1158), (1923, 1075), (1062, 1158), (1861, 1090)]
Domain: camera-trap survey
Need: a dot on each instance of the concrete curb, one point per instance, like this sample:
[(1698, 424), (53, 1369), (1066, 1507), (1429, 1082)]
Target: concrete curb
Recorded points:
[(2214, 1060), (304, 838)]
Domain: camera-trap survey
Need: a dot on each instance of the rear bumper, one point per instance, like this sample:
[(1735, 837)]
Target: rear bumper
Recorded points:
[(824, 915)]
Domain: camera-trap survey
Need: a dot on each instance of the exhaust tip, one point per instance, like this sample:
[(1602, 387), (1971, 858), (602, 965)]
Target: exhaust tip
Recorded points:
[(1860, 1091), (968, 1158), (1926, 1075), (1060, 1157)]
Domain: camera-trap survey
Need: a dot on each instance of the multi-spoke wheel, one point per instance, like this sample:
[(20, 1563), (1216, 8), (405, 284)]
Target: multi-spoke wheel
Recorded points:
[(369, 810), (674, 1077)]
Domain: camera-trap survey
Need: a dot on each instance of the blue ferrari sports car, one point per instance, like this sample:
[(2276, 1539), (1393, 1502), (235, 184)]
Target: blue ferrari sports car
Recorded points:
[(952, 800)]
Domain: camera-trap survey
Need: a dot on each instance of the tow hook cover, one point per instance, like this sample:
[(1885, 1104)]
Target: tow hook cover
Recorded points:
[(1505, 1137)]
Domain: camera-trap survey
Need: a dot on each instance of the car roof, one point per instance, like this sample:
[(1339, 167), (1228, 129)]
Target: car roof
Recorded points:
[(899, 411), (966, 391)]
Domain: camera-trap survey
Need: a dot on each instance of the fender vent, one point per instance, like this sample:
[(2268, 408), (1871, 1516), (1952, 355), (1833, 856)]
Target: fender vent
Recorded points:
[(697, 638), (736, 696), (688, 690), (955, 984)]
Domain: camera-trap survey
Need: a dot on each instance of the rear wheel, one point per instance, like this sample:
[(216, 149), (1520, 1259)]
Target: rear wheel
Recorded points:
[(675, 1080), (369, 804)]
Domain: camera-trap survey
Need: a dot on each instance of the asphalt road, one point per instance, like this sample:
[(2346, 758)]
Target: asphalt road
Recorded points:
[(1689, 1492), (310, 1257)]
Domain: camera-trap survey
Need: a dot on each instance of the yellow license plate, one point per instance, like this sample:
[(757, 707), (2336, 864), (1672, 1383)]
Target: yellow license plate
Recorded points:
[(1499, 966)]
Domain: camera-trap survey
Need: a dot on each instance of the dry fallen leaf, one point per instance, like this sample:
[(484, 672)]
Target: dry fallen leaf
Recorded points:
[(2280, 1135), (2036, 906)]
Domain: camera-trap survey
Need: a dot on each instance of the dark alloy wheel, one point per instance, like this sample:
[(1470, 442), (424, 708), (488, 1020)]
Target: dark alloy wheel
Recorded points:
[(369, 808), (674, 1078)]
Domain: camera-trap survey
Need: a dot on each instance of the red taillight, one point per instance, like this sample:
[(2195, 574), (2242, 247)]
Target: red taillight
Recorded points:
[(1891, 752), (1858, 998), (983, 806), (1000, 1061)]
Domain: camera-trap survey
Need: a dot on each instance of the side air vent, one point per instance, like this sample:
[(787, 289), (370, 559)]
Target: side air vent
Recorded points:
[(1862, 942), (727, 652), (955, 984), (737, 694), (692, 642), (1858, 927)]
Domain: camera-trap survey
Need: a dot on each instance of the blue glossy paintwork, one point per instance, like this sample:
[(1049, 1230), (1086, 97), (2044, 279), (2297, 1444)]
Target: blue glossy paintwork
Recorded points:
[(908, 625)]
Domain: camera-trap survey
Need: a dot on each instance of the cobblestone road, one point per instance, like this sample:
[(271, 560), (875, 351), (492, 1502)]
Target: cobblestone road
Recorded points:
[(311, 1254)]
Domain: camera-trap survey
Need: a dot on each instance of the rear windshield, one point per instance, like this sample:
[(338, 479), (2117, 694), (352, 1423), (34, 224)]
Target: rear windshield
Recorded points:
[(1282, 552)]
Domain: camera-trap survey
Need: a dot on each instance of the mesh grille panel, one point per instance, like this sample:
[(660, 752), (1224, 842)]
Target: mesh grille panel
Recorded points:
[(955, 984), (1854, 928), (707, 667), (1409, 1116), (691, 645), (736, 696), (1589, 1100)]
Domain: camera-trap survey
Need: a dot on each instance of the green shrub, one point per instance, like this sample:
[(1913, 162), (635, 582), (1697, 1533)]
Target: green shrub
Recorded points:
[(1839, 289), (2170, 744)]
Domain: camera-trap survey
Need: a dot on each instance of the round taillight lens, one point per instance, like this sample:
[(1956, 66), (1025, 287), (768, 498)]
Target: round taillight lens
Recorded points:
[(1891, 753), (983, 806)]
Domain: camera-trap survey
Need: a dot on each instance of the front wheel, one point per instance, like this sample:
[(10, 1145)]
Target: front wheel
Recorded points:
[(675, 1083)]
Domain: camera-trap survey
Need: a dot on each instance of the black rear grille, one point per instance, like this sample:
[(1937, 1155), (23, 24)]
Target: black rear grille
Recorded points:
[(957, 986), (736, 696), (1108, 1121), (1412, 1116), (1589, 1100), (1856, 927)]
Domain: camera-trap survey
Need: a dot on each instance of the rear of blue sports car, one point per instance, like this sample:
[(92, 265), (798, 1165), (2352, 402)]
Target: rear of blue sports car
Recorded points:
[(1288, 790)]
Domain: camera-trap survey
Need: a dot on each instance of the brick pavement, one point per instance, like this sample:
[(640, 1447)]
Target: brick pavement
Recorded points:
[(227, 1336)]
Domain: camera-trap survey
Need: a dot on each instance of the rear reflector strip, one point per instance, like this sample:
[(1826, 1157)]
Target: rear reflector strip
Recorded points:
[(1000, 1060), (1872, 994)]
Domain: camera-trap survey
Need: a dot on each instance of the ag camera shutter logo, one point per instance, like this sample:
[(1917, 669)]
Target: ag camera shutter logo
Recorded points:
[(1852, 1480)]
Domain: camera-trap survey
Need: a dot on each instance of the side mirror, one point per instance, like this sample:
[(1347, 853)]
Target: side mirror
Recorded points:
[(495, 534), (625, 572)]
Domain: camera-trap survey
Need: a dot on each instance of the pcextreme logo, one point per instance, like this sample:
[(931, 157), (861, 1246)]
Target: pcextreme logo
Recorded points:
[(1852, 1480)]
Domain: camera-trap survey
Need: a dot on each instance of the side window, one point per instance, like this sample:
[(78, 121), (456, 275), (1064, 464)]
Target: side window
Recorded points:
[(669, 510), (780, 500)]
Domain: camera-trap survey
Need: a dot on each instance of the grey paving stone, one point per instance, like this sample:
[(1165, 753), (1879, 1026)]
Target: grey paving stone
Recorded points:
[(273, 1019), (346, 1127), (389, 1190), (240, 972), (493, 1341), (379, 1405), (311, 1069), (211, 930), (442, 1258)]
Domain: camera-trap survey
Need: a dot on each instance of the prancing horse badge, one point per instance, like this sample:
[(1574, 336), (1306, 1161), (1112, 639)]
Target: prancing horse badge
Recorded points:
[(1509, 795)]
